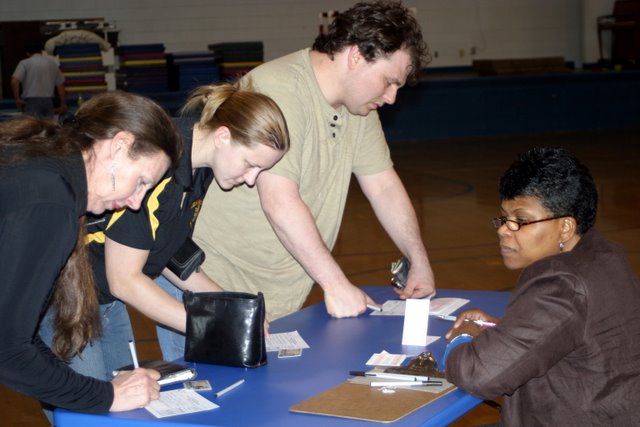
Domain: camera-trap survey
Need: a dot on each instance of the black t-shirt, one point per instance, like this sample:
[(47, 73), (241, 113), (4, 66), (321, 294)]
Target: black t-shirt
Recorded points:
[(164, 221)]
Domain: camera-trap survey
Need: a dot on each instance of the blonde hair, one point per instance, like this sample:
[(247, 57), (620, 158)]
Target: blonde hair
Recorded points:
[(251, 117)]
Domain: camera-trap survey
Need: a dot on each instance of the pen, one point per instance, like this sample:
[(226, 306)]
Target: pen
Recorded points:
[(477, 322), (373, 307), (389, 376), (134, 355), (228, 389), (404, 383), (484, 323)]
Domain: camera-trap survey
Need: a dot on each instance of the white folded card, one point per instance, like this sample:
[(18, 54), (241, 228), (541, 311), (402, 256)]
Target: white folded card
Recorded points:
[(416, 322)]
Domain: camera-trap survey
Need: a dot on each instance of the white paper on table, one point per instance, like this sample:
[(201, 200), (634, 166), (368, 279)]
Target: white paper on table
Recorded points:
[(179, 402), (416, 322), (432, 338), (393, 307), (385, 358), (439, 306), (285, 341), (445, 306)]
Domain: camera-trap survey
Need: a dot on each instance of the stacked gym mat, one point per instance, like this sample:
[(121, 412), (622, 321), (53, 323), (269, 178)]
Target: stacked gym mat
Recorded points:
[(143, 68), (83, 70), (238, 58)]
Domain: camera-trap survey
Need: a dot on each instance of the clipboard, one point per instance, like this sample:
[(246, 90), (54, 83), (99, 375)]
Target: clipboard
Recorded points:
[(362, 402)]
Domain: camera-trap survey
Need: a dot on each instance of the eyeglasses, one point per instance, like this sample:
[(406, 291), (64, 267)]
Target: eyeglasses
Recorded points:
[(514, 225)]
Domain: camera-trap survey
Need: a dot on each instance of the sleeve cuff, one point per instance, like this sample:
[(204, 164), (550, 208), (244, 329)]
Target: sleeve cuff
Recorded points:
[(460, 339)]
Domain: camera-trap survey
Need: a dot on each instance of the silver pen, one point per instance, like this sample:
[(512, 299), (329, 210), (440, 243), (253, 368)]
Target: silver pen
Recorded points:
[(390, 376), (404, 383), (477, 322)]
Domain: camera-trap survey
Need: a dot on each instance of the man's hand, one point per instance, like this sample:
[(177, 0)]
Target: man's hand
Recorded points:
[(420, 282), (346, 301), (134, 389)]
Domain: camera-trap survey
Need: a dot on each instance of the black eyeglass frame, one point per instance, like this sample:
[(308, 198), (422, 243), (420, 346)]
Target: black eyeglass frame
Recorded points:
[(502, 220)]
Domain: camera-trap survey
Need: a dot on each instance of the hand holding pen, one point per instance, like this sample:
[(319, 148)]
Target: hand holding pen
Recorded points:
[(135, 388), (471, 322)]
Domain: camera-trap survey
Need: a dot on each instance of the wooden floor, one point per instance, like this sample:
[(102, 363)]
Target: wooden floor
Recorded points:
[(453, 187)]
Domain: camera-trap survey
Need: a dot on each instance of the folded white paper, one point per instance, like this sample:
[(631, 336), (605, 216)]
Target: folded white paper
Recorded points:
[(416, 322)]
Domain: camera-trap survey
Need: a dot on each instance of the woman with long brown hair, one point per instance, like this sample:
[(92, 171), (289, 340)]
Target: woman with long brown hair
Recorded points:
[(115, 148)]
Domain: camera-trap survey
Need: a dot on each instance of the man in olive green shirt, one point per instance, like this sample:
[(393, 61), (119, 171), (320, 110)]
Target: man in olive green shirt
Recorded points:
[(278, 239)]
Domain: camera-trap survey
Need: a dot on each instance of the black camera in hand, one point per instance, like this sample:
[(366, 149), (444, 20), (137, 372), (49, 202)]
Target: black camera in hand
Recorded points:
[(400, 272)]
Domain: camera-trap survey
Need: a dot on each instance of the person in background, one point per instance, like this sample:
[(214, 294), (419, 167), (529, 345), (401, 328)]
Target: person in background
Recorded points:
[(115, 149), (235, 135), (40, 78), (567, 350), (329, 95)]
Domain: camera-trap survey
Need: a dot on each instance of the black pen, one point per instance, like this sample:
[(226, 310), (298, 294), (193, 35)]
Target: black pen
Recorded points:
[(389, 376)]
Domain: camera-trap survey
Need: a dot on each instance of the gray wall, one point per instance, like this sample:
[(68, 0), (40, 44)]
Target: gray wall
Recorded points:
[(457, 31)]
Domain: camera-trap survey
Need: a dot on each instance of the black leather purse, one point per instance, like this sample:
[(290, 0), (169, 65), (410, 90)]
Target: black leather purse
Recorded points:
[(186, 260), (225, 328)]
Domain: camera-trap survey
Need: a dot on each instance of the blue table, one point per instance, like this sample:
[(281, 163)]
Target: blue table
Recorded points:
[(337, 346)]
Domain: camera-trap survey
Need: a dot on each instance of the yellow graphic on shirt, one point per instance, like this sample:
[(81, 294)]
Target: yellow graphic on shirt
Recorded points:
[(196, 206), (99, 236), (152, 206)]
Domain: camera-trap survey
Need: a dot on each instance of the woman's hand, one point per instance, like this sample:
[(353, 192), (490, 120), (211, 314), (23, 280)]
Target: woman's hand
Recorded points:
[(464, 323), (134, 389)]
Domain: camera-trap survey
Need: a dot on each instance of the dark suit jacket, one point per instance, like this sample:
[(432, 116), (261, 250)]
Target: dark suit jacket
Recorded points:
[(567, 351)]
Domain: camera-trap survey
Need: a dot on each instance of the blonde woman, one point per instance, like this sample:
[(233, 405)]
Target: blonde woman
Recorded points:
[(235, 134)]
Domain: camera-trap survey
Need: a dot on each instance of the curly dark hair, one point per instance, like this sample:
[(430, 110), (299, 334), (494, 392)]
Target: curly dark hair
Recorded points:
[(554, 176), (379, 29)]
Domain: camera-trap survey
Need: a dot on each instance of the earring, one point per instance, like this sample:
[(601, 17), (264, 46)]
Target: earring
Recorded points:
[(561, 246), (113, 177)]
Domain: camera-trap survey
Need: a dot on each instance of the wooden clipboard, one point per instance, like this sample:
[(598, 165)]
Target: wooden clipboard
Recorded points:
[(362, 402)]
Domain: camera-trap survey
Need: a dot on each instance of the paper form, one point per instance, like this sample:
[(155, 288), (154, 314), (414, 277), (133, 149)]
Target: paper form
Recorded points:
[(439, 306), (285, 341), (385, 358), (179, 402)]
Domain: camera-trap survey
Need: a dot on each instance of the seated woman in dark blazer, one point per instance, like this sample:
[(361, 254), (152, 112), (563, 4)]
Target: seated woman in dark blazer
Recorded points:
[(567, 351)]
